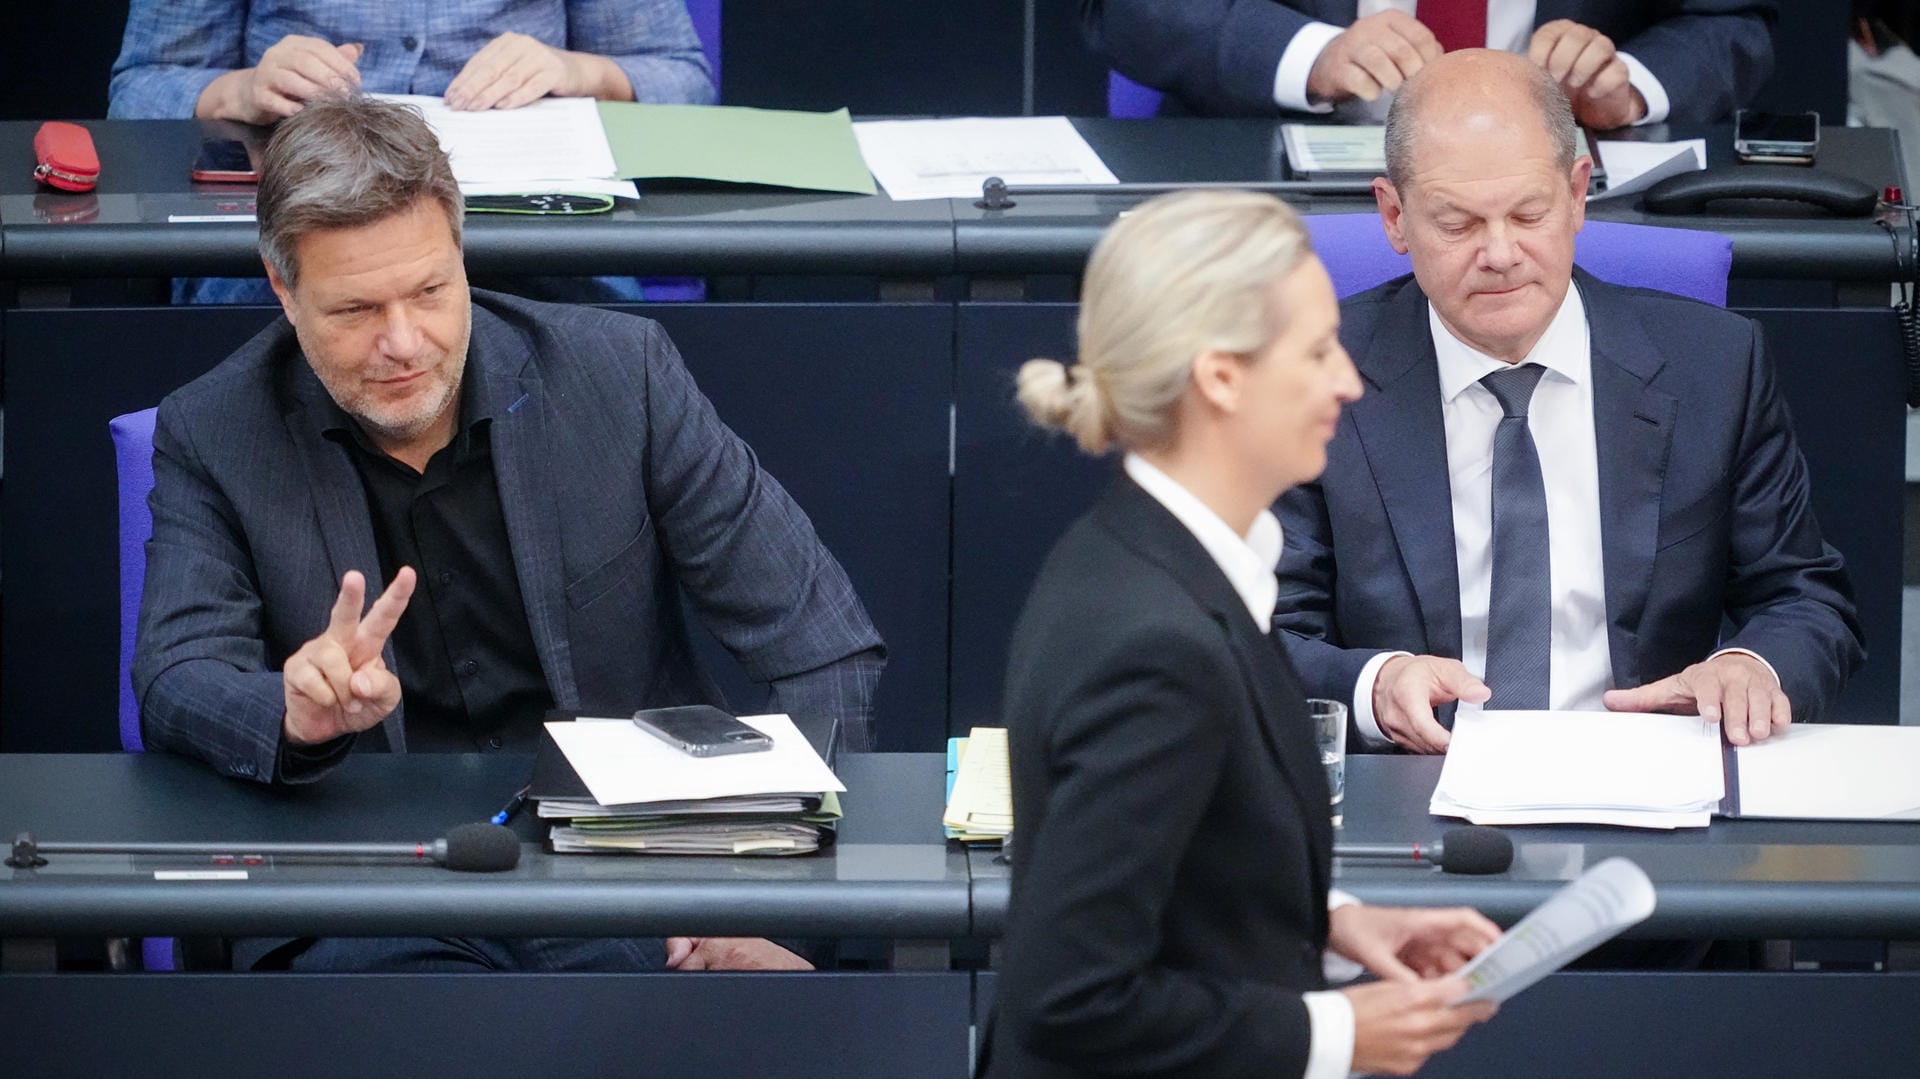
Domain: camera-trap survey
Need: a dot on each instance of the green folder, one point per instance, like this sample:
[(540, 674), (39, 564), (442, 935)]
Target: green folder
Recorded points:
[(812, 151)]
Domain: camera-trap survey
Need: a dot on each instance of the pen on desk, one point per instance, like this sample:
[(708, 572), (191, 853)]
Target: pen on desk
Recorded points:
[(513, 805)]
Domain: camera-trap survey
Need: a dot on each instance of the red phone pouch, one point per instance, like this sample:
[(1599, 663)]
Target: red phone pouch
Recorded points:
[(65, 157)]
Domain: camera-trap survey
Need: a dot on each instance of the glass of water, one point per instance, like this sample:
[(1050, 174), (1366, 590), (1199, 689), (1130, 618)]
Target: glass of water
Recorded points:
[(1330, 735)]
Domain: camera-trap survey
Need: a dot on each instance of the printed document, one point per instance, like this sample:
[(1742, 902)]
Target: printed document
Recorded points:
[(555, 138), (950, 159), (1606, 900), (622, 764)]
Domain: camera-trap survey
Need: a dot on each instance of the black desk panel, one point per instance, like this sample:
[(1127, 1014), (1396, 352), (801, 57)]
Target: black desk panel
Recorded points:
[(1016, 488), (1696, 1026), (1735, 880), (803, 384), (121, 229), (509, 1026), (1053, 234), (891, 875)]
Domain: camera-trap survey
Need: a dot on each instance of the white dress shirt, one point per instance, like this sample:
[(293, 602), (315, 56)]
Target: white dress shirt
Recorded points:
[(1560, 418), (1509, 29), (1248, 562)]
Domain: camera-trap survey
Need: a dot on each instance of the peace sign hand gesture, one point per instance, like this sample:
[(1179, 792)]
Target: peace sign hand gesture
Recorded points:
[(337, 683)]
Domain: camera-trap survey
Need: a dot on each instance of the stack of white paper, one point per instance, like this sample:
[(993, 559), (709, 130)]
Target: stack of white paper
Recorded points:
[(554, 144), (1632, 769), (1832, 772), (649, 797), (949, 159)]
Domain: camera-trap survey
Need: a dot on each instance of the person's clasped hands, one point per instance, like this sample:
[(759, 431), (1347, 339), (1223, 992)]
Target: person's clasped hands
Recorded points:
[(1378, 53)]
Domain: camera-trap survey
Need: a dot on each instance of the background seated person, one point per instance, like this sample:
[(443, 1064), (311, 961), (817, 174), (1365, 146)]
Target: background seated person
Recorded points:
[(534, 484)]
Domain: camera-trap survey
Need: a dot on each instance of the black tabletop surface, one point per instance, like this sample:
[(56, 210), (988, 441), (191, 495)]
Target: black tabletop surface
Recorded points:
[(124, 230), (1736, 879), (891, 873)]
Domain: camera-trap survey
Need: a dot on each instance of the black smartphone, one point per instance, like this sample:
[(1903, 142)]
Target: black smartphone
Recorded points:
[(224, 161), (1789, 138), (701, 730)]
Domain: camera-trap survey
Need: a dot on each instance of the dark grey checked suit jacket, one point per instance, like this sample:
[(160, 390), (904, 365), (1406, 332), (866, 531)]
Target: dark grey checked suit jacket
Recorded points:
[(617, 481)]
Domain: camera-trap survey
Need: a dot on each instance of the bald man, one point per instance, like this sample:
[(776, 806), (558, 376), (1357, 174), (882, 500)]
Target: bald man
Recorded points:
[(1556, 492), (1620, 61)]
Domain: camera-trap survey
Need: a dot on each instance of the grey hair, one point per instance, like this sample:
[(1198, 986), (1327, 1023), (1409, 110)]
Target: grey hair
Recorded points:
[(1181, 275), (344, 163), (1403, 120)]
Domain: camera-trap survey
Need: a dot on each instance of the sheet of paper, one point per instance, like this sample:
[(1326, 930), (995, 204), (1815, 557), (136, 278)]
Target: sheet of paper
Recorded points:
[(1632, 167), (949, 159), (1594, 767), (622, 764), (1604, 901), (982, 799), (811, 151), (1356, 148), (555, 138), (1832, 772), (620, 189)]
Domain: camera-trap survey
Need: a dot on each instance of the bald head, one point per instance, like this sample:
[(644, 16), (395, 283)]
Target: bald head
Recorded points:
[(1470, 92)]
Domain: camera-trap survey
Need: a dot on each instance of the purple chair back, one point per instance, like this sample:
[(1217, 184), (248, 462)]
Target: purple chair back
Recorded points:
[(706, 23), (1128, 100), (1685, 262), (133, 456)]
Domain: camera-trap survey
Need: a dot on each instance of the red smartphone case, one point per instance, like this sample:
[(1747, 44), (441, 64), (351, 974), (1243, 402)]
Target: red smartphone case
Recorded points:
[(65, 157)]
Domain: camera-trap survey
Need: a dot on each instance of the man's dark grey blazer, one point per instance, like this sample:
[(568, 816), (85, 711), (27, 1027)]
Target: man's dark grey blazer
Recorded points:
[(1218, 57), (617, 482), (1705, 515)]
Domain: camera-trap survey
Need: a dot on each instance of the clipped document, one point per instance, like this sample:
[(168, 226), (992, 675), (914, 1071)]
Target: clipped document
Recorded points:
[(1598, 906), (950, 159), (980, 806)]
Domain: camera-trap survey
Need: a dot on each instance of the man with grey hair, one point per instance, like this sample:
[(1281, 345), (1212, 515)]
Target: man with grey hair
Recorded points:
[(535, 484), (1555, 490)]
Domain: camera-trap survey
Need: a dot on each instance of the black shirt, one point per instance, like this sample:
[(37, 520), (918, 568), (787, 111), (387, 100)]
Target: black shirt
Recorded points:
[(469, 673)]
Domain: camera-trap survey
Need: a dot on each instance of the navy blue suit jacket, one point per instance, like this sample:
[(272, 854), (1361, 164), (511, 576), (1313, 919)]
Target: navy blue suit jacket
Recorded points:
[(1218, 57), (1704, 507), (619, 486)]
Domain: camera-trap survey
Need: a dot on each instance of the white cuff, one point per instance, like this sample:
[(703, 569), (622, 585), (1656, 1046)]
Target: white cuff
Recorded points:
[(1296, 63), (1363, 700), (1337, 899), (1736, 652), (1655, 94), (1330, 1019)]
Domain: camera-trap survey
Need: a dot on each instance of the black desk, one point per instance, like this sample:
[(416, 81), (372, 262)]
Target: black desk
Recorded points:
[(1736, 879), (891, 876)]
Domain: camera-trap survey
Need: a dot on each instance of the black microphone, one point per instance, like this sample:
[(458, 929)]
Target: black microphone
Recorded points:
[(471, 848), (1460, 850)]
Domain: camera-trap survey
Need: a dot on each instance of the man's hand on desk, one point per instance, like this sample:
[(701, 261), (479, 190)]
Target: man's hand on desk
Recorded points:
[(293, 71), (1371, 57), (1408, 943), (730, 953), (1407, 688), (514, 70), (1589, 69), (337, 683), (1733, 687)]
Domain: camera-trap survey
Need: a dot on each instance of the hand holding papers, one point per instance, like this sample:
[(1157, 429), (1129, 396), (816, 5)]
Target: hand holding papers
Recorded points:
[(1606, 900)]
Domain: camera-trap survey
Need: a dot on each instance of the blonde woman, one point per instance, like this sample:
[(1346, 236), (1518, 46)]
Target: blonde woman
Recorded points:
[(1171, 881)]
